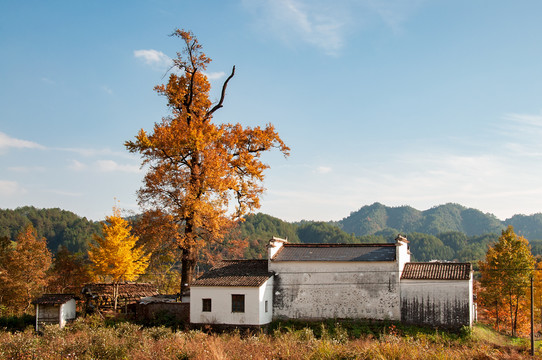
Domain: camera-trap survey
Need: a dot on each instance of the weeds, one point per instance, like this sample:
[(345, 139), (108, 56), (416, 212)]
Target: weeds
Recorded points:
[(90, 338)]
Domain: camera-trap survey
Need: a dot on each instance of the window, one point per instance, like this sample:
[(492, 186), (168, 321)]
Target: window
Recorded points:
[(206, 305), (238, 303), (266, 309)]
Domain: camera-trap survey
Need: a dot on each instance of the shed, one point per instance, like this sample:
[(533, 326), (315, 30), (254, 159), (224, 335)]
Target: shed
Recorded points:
[(103, 295), (437, 294), (54, 309), (234, 292)]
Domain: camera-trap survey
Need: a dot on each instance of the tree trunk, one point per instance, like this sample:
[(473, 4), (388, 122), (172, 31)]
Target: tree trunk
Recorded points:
[(188, 263)]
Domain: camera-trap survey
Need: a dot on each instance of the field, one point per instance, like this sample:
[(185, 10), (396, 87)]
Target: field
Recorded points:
[(92, 338)]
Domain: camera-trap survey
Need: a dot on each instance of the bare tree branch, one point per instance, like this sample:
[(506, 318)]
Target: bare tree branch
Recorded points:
[(219, 105)]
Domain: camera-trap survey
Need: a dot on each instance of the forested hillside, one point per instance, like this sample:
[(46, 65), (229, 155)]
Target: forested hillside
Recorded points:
[(446, 232), (59, 227), (405, 219)]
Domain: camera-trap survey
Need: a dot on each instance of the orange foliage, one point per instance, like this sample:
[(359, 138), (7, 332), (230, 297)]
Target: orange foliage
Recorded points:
[(23, 274), (196, 168), (68, 273), (506, 273)]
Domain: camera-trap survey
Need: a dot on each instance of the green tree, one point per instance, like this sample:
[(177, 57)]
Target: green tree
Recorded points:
[(506, 273), (197, 168)]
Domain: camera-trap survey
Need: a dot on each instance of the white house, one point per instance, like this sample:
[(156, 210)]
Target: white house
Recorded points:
[(54, 309), (334, 281), (235, 292)]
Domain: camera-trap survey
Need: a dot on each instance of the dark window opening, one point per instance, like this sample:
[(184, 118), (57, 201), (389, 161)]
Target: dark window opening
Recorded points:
[(206, 305), (238, 303)]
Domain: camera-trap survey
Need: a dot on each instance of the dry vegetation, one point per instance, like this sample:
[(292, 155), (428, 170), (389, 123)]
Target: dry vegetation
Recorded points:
[(90, 339)]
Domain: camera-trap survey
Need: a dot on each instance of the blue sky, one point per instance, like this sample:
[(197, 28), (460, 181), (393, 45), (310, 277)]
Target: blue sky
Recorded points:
[(414, 103)]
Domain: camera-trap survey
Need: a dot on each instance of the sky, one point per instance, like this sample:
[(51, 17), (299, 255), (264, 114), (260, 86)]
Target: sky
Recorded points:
[(402, 102)]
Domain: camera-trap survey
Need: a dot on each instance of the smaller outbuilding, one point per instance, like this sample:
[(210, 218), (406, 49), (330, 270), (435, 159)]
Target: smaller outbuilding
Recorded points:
[(54, 309), (438, 294), (235, 292)]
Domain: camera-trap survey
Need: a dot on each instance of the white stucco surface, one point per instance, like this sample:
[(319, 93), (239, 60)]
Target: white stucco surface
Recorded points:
[(327, 290), (447, 303)]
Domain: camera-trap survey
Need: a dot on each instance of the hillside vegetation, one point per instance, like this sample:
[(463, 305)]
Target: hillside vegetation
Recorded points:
[(445, 232)]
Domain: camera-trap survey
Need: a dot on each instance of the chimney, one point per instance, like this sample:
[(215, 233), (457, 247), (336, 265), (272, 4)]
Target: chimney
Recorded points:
[(274, 246)]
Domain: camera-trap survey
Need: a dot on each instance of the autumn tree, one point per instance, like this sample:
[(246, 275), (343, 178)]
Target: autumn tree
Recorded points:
[(68, 273), (23, 269), (115, 256), (197, 168), (506, 273)]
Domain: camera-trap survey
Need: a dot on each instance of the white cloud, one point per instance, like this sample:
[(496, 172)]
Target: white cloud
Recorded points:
[(10, 188), (323, 169), (215, 75), (394, 13), (7, 142), (521, 134), (113, 166), (318, 23), (157, 59), (77, 165), (325, 24)]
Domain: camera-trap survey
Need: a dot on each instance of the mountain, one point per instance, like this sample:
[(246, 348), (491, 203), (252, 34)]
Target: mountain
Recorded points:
[(449, 217), (59, 227)]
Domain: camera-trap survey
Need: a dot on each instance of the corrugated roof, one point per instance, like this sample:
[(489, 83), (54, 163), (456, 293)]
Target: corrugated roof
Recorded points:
[(54, 299), (437, 271), (236, 273), (336, 252)]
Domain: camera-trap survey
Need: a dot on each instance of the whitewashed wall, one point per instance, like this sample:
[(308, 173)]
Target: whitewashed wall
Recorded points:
[(221, 305), (445, 303), (327, 290), (67, 312)]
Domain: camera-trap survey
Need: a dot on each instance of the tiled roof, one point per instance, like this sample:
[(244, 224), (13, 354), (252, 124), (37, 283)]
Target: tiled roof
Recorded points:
[(436, 271), (54, 299), (128, 289), (236, 273), (336, 252)]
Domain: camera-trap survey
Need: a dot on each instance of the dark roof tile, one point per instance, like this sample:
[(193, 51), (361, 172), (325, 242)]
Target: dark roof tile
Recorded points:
[(437, 271), (50, 299), (336, 252), (252, 273)]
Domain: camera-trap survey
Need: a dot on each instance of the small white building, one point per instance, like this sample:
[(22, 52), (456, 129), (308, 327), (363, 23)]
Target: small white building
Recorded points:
[(235, 292), (437, 294), (54, 309)]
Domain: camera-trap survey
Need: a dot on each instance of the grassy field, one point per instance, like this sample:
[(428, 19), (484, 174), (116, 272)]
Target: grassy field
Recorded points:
[(91, 338)]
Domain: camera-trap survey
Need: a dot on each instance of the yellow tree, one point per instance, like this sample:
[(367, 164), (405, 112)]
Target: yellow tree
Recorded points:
[(196, 168), (506, 273), (115, 257)]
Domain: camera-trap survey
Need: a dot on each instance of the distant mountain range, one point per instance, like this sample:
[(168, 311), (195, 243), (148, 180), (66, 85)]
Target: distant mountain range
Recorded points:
[(374, 218), (371, 223)]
